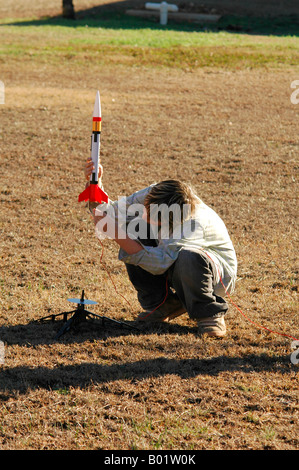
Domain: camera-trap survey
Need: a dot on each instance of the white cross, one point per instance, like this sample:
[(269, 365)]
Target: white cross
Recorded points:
[(164, 8)]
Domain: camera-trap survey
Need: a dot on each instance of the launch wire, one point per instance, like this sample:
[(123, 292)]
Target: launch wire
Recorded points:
[(243, 314), (109, 275), (113, 283), (166, 295), (253, 323)]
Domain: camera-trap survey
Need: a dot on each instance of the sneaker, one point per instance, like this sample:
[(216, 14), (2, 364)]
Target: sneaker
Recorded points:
[(171, 308), (212, 326)]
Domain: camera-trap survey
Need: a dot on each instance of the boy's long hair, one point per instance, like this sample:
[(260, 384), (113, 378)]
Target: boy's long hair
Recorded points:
[(171, 193)]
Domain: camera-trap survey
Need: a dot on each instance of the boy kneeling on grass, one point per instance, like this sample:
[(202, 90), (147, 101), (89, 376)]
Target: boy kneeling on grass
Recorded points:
[(177, 252)]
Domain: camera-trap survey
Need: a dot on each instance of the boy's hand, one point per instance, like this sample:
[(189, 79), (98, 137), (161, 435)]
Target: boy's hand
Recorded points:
[(97, 217), (88, 169)]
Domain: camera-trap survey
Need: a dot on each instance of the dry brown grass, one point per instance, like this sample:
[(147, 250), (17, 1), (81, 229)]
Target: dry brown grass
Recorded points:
[(234, 137)]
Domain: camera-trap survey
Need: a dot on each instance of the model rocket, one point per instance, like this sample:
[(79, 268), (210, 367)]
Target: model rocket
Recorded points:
[(93, 193)]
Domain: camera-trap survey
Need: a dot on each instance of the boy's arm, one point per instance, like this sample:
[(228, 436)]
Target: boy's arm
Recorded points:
[(128, 245), (121, 238)]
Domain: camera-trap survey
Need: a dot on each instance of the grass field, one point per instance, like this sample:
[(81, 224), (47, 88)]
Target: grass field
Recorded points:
[(211, 107), (129, 41)]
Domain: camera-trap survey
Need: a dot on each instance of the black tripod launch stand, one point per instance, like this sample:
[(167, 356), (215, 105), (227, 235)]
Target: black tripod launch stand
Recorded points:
[(80, 314)]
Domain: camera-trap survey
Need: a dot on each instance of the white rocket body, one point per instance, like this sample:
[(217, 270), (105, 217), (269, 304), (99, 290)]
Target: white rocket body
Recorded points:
[(96, 140), (93, 193)]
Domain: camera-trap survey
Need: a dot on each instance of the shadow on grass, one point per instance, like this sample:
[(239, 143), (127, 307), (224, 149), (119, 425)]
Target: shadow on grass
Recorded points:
[(113, 16), (38, 333), (23, 378), (20, 379)]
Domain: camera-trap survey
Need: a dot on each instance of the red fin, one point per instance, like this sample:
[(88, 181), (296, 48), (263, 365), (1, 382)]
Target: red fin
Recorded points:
[(84, 196), (93, 193), (97, 194)]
